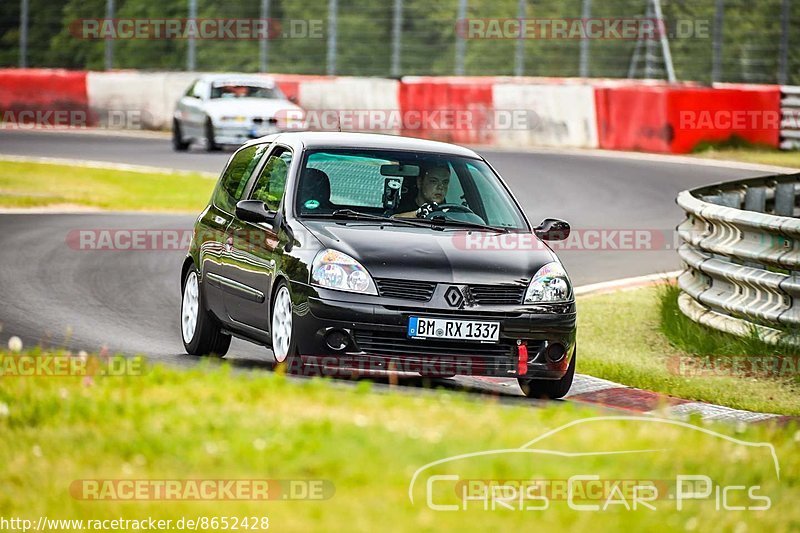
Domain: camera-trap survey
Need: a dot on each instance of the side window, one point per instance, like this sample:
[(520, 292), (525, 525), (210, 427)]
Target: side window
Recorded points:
[(272, 181), (190, 91), (234, 180), (199, 89)]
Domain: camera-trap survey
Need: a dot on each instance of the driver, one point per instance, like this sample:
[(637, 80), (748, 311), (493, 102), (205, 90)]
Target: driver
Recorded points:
[(432, 187)]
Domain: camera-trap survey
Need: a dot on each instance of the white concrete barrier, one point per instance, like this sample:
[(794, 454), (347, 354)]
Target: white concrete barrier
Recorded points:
[(146, 100), (353, 98), (557, 115)]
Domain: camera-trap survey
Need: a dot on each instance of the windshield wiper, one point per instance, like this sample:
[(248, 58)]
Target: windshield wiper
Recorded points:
[(358, 215), (441, 221)]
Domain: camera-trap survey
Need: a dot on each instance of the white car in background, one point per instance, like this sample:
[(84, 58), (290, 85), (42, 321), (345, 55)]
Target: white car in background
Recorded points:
[(230, 109)]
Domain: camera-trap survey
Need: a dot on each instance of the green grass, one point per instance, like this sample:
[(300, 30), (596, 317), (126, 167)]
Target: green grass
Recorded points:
[(43, 184), (620, 338), (697, 339), (208, 422), (760, 156)]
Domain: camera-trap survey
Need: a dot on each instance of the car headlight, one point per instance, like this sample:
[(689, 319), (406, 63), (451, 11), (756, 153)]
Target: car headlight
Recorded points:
[(335, 270), (550, 284)]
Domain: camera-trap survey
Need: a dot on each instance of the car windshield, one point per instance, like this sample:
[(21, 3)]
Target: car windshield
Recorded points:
[(398, 183), (243, 90)]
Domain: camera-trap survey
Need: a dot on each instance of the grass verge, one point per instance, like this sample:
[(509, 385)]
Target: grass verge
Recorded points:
[(208, 423), (42, 184), (762, 156), (620, 337)]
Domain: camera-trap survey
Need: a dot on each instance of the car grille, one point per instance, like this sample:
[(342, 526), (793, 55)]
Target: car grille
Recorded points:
[(421, 291), (496, 294), (394, 351)]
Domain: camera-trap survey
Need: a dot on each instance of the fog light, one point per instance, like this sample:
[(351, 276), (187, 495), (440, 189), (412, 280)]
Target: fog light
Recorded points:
[(555, 352), (337, 340)]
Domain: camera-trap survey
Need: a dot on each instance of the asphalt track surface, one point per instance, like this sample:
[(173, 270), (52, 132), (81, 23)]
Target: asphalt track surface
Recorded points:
[(129, 301)]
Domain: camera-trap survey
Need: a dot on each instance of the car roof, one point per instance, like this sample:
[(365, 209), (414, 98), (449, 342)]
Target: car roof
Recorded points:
[(336, 139)]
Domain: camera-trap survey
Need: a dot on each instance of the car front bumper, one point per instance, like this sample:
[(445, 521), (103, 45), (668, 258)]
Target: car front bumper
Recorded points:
[(377, 338), (238, 133)]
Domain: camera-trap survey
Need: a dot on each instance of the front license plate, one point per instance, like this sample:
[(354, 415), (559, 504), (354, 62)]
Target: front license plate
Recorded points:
[(444, 328)]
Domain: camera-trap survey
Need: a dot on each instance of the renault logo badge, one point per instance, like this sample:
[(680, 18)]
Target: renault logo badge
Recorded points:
[(454, 297)]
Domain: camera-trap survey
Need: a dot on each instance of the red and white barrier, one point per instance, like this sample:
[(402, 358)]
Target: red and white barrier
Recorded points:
[(504, 112), (354, 104), (35, 95), (558, 115), (151, 95), (675, 119)]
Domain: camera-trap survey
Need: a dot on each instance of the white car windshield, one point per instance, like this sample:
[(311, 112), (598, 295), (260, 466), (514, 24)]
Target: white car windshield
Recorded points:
[(244, 91)]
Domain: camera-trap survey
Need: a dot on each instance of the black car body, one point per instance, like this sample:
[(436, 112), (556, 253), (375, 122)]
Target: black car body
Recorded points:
[(273, 242)]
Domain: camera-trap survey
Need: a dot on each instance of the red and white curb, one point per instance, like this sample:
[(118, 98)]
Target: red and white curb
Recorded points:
[(587, 389)]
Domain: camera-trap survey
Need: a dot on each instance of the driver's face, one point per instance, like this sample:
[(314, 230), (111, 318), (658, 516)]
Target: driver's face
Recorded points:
[(433, 185)]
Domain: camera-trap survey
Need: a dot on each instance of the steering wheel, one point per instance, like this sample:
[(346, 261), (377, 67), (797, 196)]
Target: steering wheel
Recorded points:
[(450, 208)]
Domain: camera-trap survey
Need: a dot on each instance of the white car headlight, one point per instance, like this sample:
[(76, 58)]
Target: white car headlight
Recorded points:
[(550, 284), (335, 270)]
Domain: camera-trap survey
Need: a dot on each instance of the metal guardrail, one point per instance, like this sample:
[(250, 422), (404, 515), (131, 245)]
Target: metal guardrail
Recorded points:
[(790, 117), (740, 244)]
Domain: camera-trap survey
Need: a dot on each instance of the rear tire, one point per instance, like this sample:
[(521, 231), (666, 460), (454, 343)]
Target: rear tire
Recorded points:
[(200, 332), (282, 331), (211, 143), (552, 389), (178, 144)]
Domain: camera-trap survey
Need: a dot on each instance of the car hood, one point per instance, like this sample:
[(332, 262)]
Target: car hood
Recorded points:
[(404, 252), (248, 107)]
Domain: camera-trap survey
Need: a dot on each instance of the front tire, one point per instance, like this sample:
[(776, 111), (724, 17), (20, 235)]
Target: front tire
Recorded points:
[(211, 143), (200, 333), (551, 389), (282, 331), (178, 144)]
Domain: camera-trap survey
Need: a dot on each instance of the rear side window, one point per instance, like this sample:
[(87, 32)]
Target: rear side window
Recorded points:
[(234, 180)]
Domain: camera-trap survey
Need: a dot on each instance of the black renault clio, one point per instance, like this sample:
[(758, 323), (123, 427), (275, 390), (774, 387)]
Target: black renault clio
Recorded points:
[(376, 253)]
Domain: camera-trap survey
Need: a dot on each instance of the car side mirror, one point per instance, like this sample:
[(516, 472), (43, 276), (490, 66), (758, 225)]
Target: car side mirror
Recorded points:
[(552, 229), (293, 99), (256, 211)]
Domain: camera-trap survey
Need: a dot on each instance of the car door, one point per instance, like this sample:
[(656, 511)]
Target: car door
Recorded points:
[(256, 248), (213, 224)]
